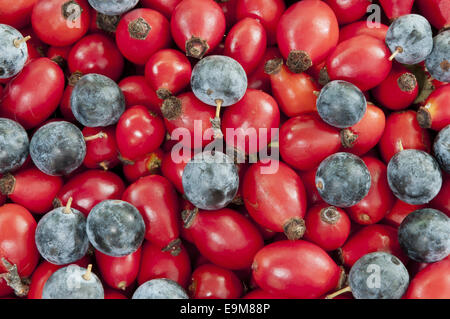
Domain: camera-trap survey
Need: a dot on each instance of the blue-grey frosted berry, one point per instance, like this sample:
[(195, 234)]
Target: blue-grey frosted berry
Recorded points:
[(412, 36), (218, 77), (13, 54), (14, 145), (61, 236), (116, 228), (441, 148), (210, 180), (378, 275), (414, 176), (438, 62), (160, 289), (97, 100), (58, 148), (341, 104), (113, 7), (424, 235), (73, 282), (343, 179)]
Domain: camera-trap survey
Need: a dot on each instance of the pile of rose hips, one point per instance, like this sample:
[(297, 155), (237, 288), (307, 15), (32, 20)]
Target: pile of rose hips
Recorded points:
[(91, 92)]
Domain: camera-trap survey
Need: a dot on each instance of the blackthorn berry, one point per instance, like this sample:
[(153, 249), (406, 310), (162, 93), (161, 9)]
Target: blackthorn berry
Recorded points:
[(441, 148), (160, 289), (13, 51), (14, 145), (438, 62), (113, 7)]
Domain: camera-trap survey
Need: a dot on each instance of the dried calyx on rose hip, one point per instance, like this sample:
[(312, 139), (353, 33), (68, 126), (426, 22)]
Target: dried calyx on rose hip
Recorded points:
[(115, 228), (441, 148), (162, 288), (113, 7), (210, 180), (13, 51), (14, 145), (97, 101), (73, 282), (341, 104), (424, 235), (218, 81), (58, 148), (343, 179), (438, 62), (414, 176), (410, 39), (61, 235)]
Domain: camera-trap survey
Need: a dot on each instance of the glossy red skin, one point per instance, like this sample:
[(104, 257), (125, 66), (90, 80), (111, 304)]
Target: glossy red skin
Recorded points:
[(112, 294), (256, 110), (96, 53), (33, 95), (225, 238), (17, 245), (349, 11), (389, 93), (380, 199), (246, 43), (229, 9), (156, 263), (43, 272), (137, 92), (368, 130), (442, 200), (266, 233), (168, 69), (306, 140), (396, 8), (297, 269), (136, 50), (294, 92), (361, 60), (51, 27), (35, 190), (268, 12), (437, 12), (370, 239), (361, 28), (89, 188), (324, 234), (139, 132), (146, 165), (54, 53), (118, 272), (207, 24), (213, 282), (262, 294), (165, 7), (173, 171), (157, 201), (273, 199), (432, 282), (101, 151), (309, 26), (36, 47), (399, 211), (64, 105), (193, 111), (403, 127), (438, 106), (16, 13), (309, 181), (259, 80)]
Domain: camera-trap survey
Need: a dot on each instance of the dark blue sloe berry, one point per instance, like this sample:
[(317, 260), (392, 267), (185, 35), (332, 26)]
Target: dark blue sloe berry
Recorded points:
[(441, 148), (14, 145), (113, 7), (73, 282), (58, 148), (210, 180), (341, 104), (343, 179), (13, 51), (96, 101), (116, 228), (411, 38), (414, 176), (424, 235), (438, 62), (378, 275), (160, 289), (61, 236)]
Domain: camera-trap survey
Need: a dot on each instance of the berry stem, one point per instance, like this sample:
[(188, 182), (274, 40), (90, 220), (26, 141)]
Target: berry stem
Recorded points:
[(339, 292), (18, 42), (88, 274), (394, 54), (96, 136), (67, 209)]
